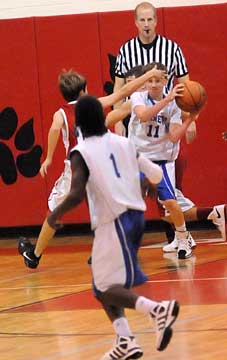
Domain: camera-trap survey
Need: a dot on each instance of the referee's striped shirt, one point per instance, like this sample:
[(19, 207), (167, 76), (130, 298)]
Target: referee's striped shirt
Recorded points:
[(162, 50)]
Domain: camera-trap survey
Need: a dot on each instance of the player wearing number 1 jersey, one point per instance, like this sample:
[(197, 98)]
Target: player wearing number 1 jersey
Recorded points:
[(107, 167)]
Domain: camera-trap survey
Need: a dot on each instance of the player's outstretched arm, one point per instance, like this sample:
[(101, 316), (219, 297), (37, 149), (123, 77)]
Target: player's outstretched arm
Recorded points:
[(130, 87)]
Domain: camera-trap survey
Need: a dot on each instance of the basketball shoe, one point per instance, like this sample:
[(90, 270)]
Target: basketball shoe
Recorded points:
[(218, 218), (173, 246), (184, 248), (124, 348), (164, 316), (26, 249)]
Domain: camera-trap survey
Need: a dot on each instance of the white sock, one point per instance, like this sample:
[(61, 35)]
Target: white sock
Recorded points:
[(145, 305), (121, 327), (181, 228), (181, 232)]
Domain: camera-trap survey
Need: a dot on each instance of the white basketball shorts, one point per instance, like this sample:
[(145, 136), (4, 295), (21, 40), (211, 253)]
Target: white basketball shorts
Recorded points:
[(61, 187)]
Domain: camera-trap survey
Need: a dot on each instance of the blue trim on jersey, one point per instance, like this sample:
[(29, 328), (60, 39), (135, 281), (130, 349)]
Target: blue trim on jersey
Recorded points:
[(150, 99), (165, 188)]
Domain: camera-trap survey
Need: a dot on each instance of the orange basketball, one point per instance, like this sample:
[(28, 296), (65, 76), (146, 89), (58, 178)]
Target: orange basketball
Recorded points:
[(194, 97)]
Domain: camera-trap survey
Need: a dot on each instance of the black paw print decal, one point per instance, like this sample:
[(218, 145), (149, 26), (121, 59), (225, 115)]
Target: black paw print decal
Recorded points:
[(27, 163), (108, 86)]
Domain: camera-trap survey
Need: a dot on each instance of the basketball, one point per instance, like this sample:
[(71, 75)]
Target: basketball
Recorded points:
[(194, 97)]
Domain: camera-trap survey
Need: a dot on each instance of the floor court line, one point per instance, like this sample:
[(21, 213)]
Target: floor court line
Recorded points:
[(89, 284), (147, 329)]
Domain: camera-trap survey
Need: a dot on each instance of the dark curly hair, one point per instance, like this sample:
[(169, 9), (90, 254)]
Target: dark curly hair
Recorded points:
[(90, 117)]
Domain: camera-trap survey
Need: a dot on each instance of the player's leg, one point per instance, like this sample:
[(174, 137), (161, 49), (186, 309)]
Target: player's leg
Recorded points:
[(32, 253), (216, 214), (182, 242), (124, 346), (169, 231), (122, 271), (167, 196), (44, 238), (162, 313), (149, 190), (187, 207)]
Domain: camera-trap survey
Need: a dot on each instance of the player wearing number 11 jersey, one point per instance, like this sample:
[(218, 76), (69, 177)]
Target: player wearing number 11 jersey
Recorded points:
[(155, 128)]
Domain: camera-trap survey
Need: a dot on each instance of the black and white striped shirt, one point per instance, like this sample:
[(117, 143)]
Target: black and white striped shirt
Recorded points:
[(162, 50)]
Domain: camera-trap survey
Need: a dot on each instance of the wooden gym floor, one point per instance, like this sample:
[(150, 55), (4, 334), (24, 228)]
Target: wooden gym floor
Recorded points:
[(50, 313)]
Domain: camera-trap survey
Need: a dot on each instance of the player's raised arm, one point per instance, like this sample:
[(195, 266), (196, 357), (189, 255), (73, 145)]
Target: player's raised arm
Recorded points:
[(130, 87)]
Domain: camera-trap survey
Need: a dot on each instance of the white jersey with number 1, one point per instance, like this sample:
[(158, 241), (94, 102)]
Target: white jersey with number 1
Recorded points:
[(114, 181)]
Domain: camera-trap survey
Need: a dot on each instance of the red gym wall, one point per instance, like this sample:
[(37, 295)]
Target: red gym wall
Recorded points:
[(33, 52)]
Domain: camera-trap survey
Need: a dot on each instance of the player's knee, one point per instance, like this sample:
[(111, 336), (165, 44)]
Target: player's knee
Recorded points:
[(172, 205)]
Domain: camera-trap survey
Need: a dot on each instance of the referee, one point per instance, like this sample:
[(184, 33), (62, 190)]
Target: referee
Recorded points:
[(148, 47)]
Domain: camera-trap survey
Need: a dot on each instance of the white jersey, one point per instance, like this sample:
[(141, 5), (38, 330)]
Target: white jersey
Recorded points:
[(150, 137), (113, 185)]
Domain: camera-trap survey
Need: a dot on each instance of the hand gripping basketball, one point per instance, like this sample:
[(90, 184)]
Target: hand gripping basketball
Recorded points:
[(192, 98)]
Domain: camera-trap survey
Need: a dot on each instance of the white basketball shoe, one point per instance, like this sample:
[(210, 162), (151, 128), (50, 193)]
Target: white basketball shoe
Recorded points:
[(173, 246), (218, 218), (164, 316), (124, 348)]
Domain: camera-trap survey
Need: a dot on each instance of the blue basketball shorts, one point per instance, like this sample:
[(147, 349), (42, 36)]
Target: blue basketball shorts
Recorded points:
[(114, 252)]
